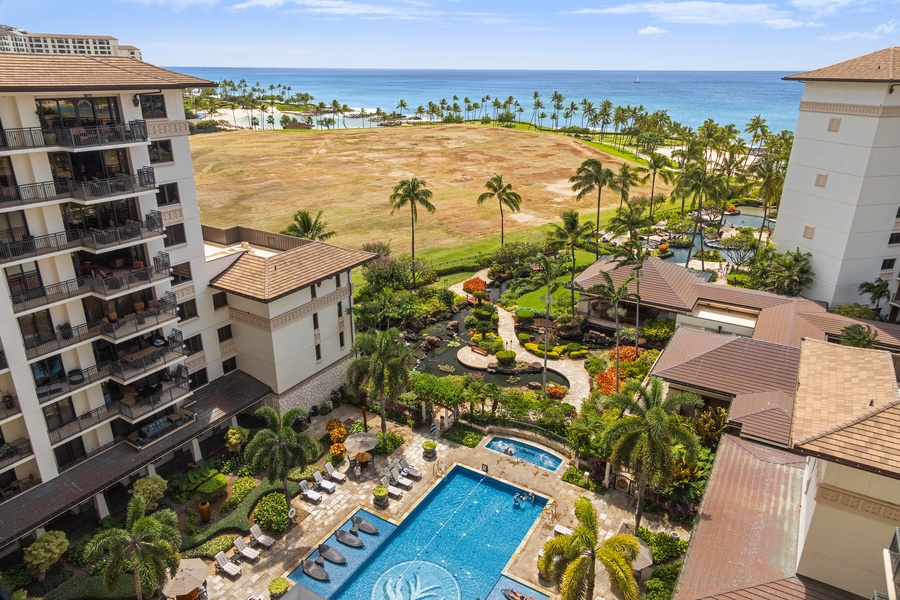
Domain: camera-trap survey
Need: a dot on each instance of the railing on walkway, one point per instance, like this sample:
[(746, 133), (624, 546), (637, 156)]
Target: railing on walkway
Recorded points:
[(144, 180), (167, 311), (75, 380), (103, 135), (9, 406), (173, 348), (91, 454), (32, 193), (83, 422), (26, 137), (66, 336), (166, 396), (14, 452)]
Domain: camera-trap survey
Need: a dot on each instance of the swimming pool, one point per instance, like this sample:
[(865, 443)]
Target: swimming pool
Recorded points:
[(453, 545), (526, 452)]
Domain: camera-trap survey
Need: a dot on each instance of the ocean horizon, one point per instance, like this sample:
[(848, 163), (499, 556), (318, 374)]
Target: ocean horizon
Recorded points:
[(690, 97)]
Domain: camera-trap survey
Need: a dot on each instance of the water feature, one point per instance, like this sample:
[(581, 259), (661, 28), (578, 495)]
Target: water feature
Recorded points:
[(751, 216), (527, 452)]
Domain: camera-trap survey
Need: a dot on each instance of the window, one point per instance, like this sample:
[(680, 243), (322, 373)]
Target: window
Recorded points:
[(175, 235), (315, 320), (340, 309), (312, 291), (894, 239), (47, 370), (167, 194), (225, 333), (341, 338), (181, 273), (898, 212), (198, 379), (194, 344), (888, 264), (153, 106), (187, 310), (220, 299), (337, 280), (229, 365), (161, 151), (318, 352)]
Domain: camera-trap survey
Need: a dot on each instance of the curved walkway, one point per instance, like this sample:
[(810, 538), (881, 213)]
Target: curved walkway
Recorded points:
[(573, 370)]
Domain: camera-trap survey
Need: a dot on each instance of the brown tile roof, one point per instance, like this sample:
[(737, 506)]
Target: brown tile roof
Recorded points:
[(831, 324), (268, 278), (746, 533), (790, 588), (34, 72), (663, 284), (882, 66), (764, 415)]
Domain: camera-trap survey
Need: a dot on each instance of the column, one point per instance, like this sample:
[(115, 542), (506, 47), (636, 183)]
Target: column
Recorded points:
[(195, 450), (608, 474), (101, 506), (151, 470), (234, 422)]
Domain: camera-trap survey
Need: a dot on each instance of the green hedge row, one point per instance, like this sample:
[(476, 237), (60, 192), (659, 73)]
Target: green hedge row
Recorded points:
[(209, 549), (91, 588)]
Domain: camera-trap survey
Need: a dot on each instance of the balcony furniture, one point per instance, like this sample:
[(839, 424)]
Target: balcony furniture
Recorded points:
[(156, 427), (76, 377), (5, 449), (153, 305), (112, 317), (140, 308), (119, 263), (138, 264)]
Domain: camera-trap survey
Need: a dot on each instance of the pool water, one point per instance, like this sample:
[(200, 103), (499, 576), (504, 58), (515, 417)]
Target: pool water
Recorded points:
[(526, 452), (452, 546)]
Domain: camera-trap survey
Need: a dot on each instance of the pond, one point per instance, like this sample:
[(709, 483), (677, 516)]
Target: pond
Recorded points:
[(751, 216)]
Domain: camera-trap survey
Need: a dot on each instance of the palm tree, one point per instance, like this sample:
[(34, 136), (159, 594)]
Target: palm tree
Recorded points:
[(412, 192), (304, 226), (147, 546), (658, 164), (614, 295), (402, 105), (630, 219), (877, 291), (699, 182), (277, 448), (859, 336), (549, 272), (505, 196), (770, 172), (624, 180), (567, 238), (379, 366), (592, 175), (644, 438), (571, 560)]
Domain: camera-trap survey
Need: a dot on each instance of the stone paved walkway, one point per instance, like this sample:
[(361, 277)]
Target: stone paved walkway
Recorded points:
[(317, 522)]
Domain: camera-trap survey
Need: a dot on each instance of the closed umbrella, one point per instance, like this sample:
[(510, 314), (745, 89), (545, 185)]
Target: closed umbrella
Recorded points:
[(191, 574), (360, 442), (644, 558)]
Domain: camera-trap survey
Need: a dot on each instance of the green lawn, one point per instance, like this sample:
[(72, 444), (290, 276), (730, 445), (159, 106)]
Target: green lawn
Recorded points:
[(533, 300)]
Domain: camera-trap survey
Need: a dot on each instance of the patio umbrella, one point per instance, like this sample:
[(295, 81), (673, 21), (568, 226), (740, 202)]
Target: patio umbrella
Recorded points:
[(644, 558), (360, 442), (191, 574)]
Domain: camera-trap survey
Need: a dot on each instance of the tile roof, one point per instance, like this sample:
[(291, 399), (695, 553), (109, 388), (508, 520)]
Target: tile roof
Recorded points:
[(746, 533), (790, 588), (764, 415), (663, 284), (882, 66), (268, 278), (35, 72)]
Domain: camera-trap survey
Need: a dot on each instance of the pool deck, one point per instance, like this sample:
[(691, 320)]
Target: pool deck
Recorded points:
[(317, 522)]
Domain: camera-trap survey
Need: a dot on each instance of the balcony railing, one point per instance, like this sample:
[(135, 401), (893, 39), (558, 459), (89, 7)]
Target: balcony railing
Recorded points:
[(12, 453), (151, 319), (9, 406), (179, 389), (32, 193), (125, 369), (81, 286), (104, 135), (144, 180), (3, 363), (27, 137), (75, 380), (65, 337), (83, 422)]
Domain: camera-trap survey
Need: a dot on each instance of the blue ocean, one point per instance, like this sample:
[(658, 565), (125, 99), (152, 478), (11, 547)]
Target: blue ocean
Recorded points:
[(690, 97)]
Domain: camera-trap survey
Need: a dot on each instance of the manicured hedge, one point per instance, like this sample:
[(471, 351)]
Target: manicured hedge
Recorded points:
[(239, 491), (463, 434), (305, 474), (209, 550), (506, 358), (272, 513), (91, 588), (213, 488)]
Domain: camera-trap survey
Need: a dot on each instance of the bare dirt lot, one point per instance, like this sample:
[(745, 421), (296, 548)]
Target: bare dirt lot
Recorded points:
[(260, 178)]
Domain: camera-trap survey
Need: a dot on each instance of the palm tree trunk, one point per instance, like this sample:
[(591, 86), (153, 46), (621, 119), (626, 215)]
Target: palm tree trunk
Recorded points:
[(597, 236), (501, 223), (383, 418), (546, 337), (412, 220), (765, 216), (700, 222), (642, 485), (287, 494), (137, 585), (616, 309), (652, 190), (637, 314), (572, 282)]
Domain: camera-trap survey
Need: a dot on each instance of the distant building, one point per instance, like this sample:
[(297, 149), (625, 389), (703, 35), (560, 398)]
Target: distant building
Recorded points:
[(19, 41), (840, 195)]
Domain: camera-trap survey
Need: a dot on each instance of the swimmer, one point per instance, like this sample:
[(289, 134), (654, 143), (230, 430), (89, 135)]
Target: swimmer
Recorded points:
[(531, 497)]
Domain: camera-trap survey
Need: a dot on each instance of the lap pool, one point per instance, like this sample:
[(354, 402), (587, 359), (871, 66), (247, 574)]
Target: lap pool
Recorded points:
[(526, 452), (453, 546)]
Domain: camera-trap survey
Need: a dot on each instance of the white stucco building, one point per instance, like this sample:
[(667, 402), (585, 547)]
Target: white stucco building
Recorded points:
[(19, 41), (840, 197)]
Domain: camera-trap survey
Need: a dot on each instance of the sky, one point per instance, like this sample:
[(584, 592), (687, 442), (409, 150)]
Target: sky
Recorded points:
[(782, 35)]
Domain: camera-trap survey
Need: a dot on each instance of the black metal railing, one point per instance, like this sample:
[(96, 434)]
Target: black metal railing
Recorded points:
[(74, 380), (10, 453), (9, 406), (101, 240), (181, 388), (3, 363), (83, 422), (144, 180), (103, 135), (167, 311), (32, 193), (172, 348), (26, 137), (48, 294), (187, 417), (80, 459), (65, 336)]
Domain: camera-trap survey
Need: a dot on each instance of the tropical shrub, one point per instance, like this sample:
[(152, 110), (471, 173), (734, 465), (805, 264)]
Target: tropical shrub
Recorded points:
[(658, 331), (664, 546), (208, 550), (428, 445), (305, 474), (463, 434), (471, 286), (213, 488), (152, 488), (708, 256), (386, 446), (557, 392), (45, 552), (481, 313), (594, 365), (578, 354), (661, 584), (272, 513), (856, 310), (239, 491), (278, 587), (235, 438), (626, 353), (606, 381), (526, 314), (338, 432), (470, 321), (524, 338), (739, 279), (506, 358), (380, 491), (337, 450)]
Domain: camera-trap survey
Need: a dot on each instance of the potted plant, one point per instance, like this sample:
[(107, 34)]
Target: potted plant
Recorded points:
[(429, 449), (278, 587), (65, 330), (381, 495)]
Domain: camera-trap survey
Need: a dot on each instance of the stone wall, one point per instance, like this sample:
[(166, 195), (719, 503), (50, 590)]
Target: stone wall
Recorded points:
[(316, 390)]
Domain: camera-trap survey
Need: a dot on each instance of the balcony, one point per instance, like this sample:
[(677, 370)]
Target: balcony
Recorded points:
[(153, 398), (18, 245), (160, 428), (14, 452), (9, 407), (27, 137), (103, 135), (109, 283), (32, 193), (103, 189), (75, 380), (3, 364), (83, 422), (149, 360), (151, 318), (63, 338)]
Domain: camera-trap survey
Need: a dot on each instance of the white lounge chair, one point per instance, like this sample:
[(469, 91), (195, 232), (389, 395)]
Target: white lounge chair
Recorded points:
[(246, 552), (400, 480), (261, 538), (223, 564), (393, 492), (311, 495), (411, 471), (561, 530), (334, 473), (328, 486)]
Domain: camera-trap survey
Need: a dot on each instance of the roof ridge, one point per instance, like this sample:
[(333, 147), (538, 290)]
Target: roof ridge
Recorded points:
[(854, 421), (758, 451)]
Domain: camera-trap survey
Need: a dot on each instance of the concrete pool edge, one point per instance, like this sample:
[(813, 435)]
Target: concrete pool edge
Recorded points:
[(494, 431)]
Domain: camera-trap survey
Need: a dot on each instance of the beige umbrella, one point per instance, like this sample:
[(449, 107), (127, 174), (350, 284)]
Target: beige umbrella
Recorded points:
[(360, 442), (644, 558), (191, 574)]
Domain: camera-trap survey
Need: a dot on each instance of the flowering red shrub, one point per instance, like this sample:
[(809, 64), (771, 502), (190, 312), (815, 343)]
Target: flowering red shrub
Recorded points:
[(626, 354), (338, 450), (471, 286), (606, 381), (556, 392)]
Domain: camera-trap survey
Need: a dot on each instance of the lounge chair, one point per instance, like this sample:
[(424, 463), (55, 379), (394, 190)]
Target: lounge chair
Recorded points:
[(328, 486), (400, 480), (222, 564), (261, 538), (393, 492), (246, 552), (311, 495), (561, 530), (334, 473), (411, 471)]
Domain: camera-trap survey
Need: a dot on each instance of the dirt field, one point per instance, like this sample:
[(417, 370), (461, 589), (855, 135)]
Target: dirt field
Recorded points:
[(260, 178)]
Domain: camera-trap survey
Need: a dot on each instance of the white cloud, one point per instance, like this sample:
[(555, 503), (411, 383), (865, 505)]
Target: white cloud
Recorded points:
[(822, 7), (702, 12), (409, 10), (875, 33), (651, 30), (178, 5)]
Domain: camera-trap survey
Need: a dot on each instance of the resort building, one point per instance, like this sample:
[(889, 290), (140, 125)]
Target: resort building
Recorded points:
[(131, 333), (19, 41), (839, 200)]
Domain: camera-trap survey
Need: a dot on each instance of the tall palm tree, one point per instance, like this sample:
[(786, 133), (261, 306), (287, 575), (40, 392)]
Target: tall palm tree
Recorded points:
[(623, 181), (700, 183), (277, 448), (402, 105), (412, 193), (147, 546), (770, 171), (504, 195), (592, 175), (567, 237), (379, 366), (644, 438), (631, 219), (307, 227), (614, 295), (550, 269), (877, 291), (658, 165), (571, 560)]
